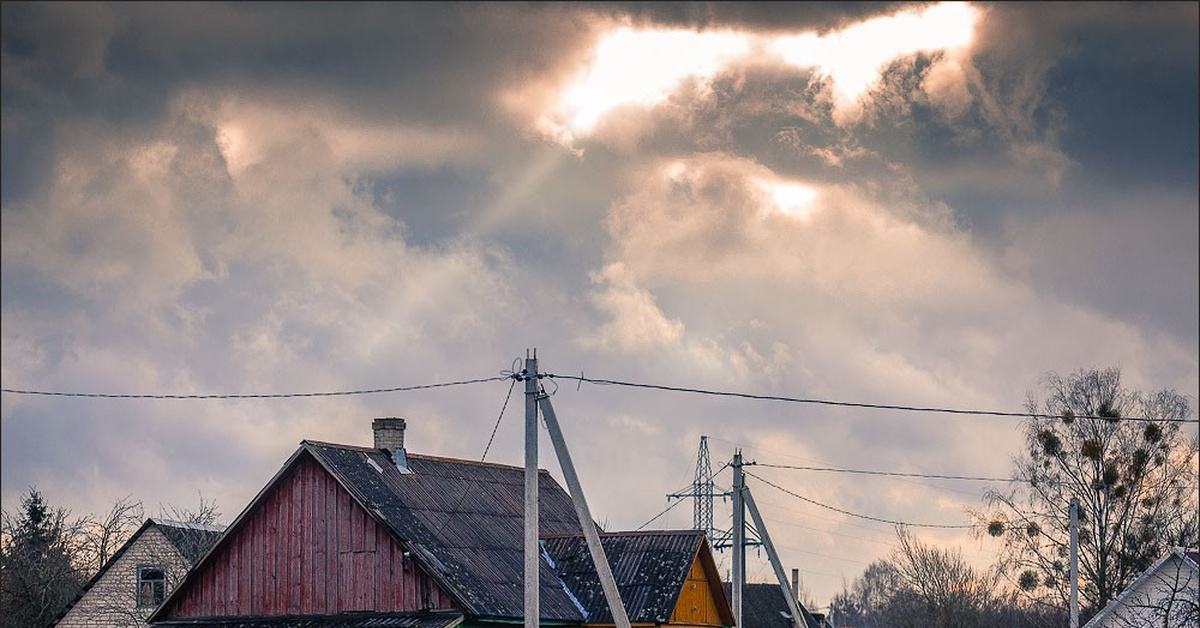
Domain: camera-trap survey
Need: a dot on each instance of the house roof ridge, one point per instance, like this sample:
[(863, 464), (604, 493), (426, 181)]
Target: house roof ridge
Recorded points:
[(419, 456), (629, 533), (476, 463), (187, 525)]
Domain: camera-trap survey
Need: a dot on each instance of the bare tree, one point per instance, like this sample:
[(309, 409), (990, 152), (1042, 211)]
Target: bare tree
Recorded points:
[(206, 512), (46, 557), (1135, 482), (863, 603), (1168, 597), (187, 534), (928, 587), (199, 533), (96, 539), (939, 588)]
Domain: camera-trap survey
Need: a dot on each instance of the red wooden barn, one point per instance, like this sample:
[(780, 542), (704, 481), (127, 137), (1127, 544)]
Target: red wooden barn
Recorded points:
[(358, 537)]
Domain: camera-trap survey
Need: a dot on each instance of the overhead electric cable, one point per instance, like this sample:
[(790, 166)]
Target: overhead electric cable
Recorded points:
[(854, 514), (853, 404), (885, 473), (471, 484), (655, 517), (792, 524), (338, 393)]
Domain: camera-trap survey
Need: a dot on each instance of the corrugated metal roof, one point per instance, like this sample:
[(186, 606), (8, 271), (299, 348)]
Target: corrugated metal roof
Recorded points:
[(347, 620), (465, 522), (763, 606), (193, 540), (650, 569)]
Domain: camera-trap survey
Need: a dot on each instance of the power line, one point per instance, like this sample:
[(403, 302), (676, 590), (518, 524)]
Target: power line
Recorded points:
[(580, 378), (821, 462), (853, 404), (898, 474), (792, 524), (467, 489), (655, 517), (854, 514), (338, 393), (884, 473)]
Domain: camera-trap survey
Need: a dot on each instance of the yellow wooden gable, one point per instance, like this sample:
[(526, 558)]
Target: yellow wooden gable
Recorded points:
[(699, 601), (696, 606)]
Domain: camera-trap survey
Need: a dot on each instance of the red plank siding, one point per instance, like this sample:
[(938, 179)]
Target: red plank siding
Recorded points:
[(307, 548)]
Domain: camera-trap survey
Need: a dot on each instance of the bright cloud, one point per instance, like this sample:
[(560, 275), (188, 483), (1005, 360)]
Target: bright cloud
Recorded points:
[(238, 199), (637, 322), (790, 198), (853, 58), (642, 68)]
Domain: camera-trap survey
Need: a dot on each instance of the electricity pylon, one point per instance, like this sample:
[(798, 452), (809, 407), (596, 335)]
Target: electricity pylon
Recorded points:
[(702, 494)]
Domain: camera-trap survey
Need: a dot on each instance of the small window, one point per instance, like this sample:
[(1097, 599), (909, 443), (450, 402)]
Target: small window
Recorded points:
[(151, 586)]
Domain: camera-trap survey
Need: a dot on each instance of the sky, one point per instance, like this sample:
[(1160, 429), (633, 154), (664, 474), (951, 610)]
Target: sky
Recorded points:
[(928, 205)]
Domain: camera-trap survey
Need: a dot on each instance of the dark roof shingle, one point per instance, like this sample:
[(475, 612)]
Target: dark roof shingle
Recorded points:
[(464, 519), (763, 606), (193, 540), (427, 619), (649, 567)]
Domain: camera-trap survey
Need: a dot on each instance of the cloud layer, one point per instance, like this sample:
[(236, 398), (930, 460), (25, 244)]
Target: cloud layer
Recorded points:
[(247, 199)]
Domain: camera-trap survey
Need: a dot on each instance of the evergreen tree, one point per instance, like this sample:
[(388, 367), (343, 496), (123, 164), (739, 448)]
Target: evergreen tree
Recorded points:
[(37, 578)]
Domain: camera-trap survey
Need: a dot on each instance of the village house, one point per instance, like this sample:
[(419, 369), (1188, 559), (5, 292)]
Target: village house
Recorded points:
[(763, 606), (138, 576), (1166, 594), (357, 537)]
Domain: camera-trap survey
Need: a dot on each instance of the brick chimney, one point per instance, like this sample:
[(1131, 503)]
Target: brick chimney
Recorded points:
[(389, 435)]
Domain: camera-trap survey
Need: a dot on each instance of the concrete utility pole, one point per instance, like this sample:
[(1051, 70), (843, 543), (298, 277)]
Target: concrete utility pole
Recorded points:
[(739, 536), (532, 548), (599, 559), (1074, 563), (765, 538)]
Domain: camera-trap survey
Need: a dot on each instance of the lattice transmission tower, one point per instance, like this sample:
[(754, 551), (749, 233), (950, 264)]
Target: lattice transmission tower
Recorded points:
[(702, 492)]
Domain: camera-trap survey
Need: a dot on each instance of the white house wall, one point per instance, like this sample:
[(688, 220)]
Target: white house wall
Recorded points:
[(112, 600)]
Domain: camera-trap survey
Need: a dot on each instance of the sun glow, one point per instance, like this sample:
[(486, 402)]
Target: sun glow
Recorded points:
[(853, 58), (790, 198), (642, 68)]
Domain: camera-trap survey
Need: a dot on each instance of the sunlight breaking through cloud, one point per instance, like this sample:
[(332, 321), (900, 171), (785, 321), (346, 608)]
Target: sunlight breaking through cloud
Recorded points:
[(853, 58), (790, 198), (641, 68)]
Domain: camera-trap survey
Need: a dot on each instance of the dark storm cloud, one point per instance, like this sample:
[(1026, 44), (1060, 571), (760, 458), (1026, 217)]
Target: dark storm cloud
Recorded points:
[(411, 63), (767, 16), (301, 197)]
